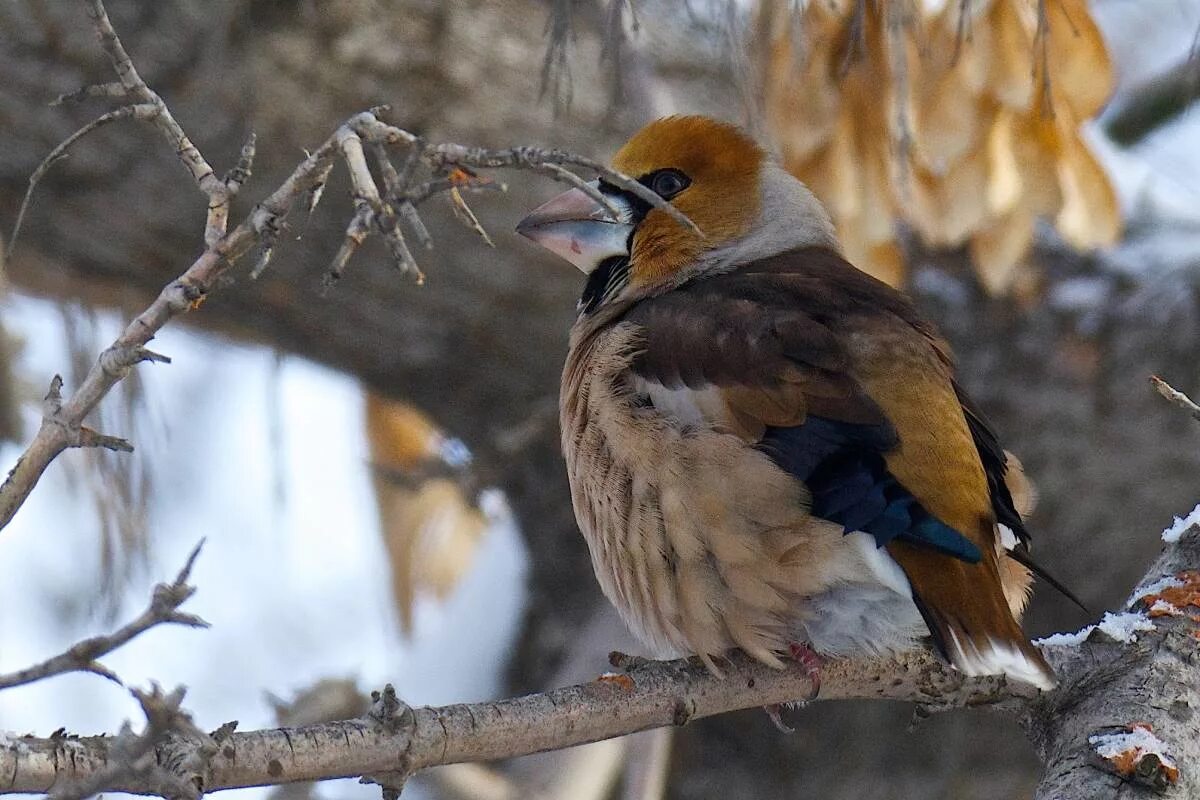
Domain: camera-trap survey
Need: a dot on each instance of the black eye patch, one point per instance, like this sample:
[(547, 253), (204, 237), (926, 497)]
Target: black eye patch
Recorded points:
[(637, 205)]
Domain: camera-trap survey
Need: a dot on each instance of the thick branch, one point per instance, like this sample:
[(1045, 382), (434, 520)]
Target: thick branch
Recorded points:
[(1108, 686), (1103, 681), (649, 695)]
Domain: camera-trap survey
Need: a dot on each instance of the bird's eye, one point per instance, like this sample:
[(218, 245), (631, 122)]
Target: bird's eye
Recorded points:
[(666, 183)]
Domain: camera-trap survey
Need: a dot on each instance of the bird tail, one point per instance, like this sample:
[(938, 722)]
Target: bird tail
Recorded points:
[(968, 617)]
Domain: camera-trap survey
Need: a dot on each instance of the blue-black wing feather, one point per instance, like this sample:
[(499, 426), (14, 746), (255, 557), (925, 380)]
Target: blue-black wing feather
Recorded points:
[(843, 465)]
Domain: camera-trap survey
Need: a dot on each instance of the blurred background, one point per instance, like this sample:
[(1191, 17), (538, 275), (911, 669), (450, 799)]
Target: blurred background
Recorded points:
[(376, 471)]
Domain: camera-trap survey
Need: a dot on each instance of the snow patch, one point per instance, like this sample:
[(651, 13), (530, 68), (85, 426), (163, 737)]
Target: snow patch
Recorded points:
[(1165, 582), (1122, 627), (1065, 639), (1163, 608), (1181, 526), (1108, 745), (1127, 749)]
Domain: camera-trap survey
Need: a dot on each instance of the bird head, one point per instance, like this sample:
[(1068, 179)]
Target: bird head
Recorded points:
[(742, 204)]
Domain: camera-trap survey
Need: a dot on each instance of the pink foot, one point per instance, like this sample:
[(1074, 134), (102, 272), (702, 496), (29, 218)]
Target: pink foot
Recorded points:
[(811, 661)]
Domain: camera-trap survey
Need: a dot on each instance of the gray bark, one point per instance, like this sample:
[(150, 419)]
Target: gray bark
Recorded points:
[(1107, 684)]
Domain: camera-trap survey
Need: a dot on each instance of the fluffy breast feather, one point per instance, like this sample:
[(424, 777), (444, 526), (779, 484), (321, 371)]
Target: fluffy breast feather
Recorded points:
[(698, 538)]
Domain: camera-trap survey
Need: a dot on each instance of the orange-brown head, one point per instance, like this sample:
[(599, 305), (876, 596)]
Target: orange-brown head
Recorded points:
[(743, 205), (720, 168)]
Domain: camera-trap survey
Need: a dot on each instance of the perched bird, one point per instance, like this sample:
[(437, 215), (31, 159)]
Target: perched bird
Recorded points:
[(767, 448)]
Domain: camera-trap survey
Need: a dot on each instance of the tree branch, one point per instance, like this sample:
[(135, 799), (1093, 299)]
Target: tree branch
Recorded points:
[(83, 656), (145, 758), (394, 737), (1156, 102), (452, 168), (1134, 667), (1175, 396)]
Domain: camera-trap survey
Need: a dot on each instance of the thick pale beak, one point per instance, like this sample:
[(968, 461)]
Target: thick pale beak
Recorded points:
[(579, 229)]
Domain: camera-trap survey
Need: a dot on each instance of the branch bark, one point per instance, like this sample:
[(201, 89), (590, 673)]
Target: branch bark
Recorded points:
[(397, 738), (1110, 676)]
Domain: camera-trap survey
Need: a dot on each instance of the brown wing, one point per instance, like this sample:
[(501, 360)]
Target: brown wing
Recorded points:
[(808, 351), (772, 363)]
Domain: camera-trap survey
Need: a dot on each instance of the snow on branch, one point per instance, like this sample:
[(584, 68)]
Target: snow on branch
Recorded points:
[(428, 170)]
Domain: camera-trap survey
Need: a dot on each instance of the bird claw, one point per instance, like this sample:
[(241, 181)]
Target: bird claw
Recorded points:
[(811, 661), (775, 714)]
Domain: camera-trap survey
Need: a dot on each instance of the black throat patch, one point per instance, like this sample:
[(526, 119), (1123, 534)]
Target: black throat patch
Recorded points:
[(605, 282)]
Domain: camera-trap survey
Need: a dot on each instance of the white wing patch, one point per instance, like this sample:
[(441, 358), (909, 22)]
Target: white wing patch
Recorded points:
[(1008, 539)]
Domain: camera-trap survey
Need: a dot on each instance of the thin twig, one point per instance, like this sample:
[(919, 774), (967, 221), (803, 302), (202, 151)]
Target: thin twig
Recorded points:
[(83, 656), (570, 178), (137, 111), (466, 216), (113, 89), (1175, 396), (135, 88), (452, 167), (535, 158)]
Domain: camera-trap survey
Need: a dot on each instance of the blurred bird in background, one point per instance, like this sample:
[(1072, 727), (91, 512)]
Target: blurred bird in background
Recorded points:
[(429, 518), (766, 446)]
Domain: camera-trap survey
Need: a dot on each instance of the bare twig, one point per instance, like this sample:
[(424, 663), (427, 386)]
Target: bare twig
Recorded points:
[(216, 190), (113, 89), (1175, 396), (137, 111), (452, 166), (533, 158), (83, 656)]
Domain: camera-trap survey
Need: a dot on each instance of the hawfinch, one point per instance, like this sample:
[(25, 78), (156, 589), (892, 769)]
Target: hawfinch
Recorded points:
[(767, 448)]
